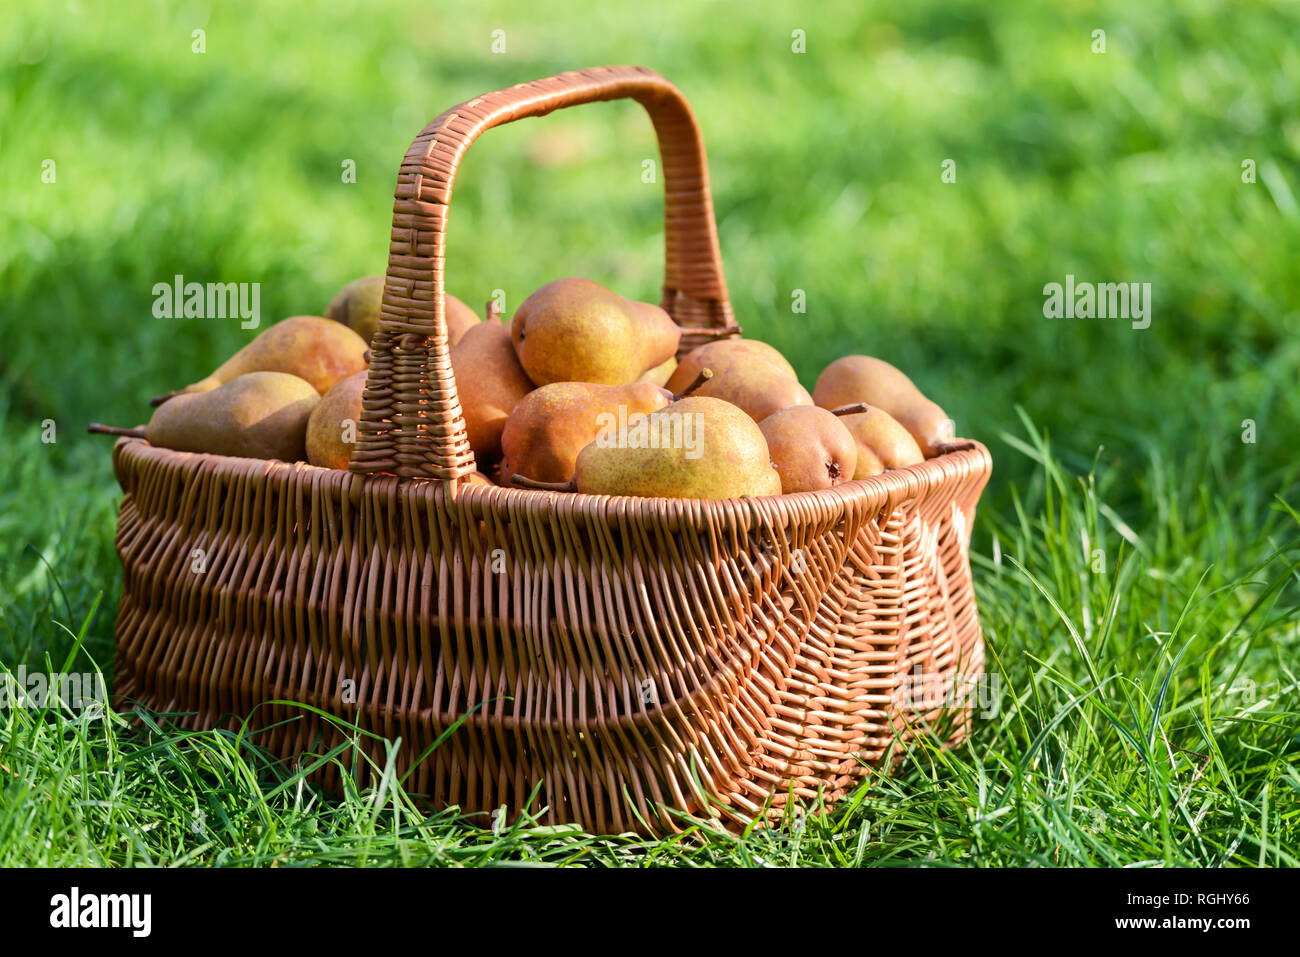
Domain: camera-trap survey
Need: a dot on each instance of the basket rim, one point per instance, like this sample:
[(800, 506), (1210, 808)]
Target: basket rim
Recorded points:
[(893, 485)]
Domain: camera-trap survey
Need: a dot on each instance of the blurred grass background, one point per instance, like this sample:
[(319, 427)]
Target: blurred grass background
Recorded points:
[(826, 170)]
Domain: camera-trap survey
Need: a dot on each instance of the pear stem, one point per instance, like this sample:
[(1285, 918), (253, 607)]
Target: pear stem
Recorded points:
[(943, 448), (724, 332), (492, 310), (853, 409), (160, 399), (98, 429), (704, 376), (523, 481)]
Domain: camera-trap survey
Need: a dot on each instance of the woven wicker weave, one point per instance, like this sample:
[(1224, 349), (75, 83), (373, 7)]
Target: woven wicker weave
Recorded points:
[(612, 656)]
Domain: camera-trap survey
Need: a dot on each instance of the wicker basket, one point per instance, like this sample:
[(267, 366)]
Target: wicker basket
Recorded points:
[(603, 660)]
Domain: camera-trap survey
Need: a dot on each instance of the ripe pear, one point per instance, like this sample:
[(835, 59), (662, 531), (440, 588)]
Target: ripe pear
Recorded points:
[(657, 335), (723, 353), (359, 303), (310, 347), (575, 330), (757, 387), (258, 415), (661, 373), (332, 429), (880, 433), (478, 478), (552, 424), (490, 382), (696, 447), (810, 447), (869, 463), (873, 381), (658, 332)]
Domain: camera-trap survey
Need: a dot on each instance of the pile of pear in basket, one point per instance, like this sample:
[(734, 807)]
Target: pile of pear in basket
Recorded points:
[(607, 562)]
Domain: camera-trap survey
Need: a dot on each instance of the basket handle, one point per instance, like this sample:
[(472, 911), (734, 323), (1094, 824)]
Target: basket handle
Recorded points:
[(411, 423)]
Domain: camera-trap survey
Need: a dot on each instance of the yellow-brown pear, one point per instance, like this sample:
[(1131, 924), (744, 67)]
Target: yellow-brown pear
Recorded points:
[(332, 429), (696, 447), (258, 415), (879, 433), (866, 379), (810, 447), (490, 383), (758, 387), (310, 347), (657, 333), (358, 305), (869, 463), (661, 373), (721, 355), (575, 330), (552, 424)]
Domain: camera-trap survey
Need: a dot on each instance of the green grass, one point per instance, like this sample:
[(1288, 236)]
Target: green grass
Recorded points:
[(1137, 572)]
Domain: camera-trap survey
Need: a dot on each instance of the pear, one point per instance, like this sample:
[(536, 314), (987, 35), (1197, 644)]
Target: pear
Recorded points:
[(810, 447), (855, 379), (490, 382), (309, 347), (657, 332), (552, 424), (575, 330), (723, 353), (869, 463), (478, 478), (757, 387), (359, 303), (696, 447), (880, 434), (661, 373), (258, 415), (332, 428), (460, 319)]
